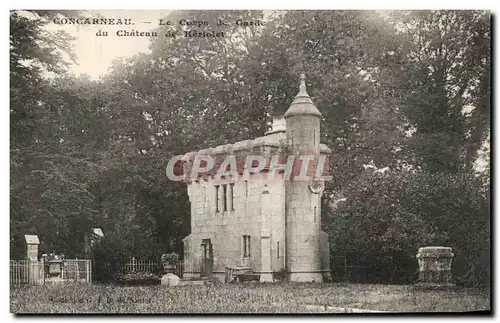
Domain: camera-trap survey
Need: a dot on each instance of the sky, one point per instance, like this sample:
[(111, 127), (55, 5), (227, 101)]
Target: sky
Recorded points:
[(95, 54)]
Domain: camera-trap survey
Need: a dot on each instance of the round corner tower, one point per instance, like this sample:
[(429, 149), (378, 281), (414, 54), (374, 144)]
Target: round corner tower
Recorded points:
[(303, 220)]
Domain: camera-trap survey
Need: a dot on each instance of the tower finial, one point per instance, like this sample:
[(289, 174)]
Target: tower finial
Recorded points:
[(302, 87), (302, 104)]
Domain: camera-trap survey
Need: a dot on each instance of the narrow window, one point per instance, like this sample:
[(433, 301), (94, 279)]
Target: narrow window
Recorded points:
[(278, 249), (315, 214), (216, 198), (232, 196), (225, 196), (246, 246), (314, 136)]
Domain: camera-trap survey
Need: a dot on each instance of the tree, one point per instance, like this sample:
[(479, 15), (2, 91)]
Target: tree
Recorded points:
[(33, 52), (448, 63)]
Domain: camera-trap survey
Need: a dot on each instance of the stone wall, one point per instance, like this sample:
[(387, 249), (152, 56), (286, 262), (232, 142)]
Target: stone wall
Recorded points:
[(287, 221), (226, 229)]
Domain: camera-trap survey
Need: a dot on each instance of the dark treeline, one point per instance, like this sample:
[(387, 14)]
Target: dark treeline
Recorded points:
[(405, 100)]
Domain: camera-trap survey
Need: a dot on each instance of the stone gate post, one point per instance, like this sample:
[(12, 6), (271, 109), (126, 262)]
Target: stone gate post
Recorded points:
[(34, 268)]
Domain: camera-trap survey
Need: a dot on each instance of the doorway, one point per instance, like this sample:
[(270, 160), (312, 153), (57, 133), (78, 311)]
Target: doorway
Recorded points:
[(207, 258)]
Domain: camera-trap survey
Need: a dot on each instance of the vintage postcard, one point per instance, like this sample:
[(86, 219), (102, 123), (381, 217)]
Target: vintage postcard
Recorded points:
[(250, 161)]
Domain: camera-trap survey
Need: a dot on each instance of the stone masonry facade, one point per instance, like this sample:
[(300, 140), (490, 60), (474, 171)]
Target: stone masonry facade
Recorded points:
[(267, 225)]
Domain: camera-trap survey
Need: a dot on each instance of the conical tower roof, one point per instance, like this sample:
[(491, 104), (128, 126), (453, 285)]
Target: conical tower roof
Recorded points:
[(302, 104)]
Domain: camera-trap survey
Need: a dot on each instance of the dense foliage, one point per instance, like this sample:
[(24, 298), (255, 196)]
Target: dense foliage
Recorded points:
[(405, 104), (137, 279)]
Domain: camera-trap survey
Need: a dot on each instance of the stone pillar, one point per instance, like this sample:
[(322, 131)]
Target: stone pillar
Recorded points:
[(265, 237), (91, 240), (32, 243), (35, 269), (434, 266), (266, 275)]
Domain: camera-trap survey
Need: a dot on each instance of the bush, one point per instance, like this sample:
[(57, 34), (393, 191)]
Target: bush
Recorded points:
[(170, 258), (137, 279)]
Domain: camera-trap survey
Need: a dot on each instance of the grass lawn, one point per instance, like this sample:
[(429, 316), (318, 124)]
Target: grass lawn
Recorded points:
[(252, 298)]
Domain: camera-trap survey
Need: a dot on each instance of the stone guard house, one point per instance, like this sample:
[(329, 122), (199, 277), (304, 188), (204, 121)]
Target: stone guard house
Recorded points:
[(267, 225)]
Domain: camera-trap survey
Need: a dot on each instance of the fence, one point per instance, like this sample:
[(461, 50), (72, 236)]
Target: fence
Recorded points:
[(36, 273), (136, 265), (77, 270), (26, 272), (385, 269)]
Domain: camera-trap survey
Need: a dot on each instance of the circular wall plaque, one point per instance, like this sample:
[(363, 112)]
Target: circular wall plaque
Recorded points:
[(316, 186)]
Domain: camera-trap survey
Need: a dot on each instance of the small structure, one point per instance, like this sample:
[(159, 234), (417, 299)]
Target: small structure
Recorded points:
[(55, 271), (35, 271), (91, 239), (169, 262), (32, 243), (170, 280), (434, 266), (98, 232), (264, 222), (54, 267)]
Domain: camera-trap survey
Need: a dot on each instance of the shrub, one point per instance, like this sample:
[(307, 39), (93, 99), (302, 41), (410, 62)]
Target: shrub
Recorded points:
[(137, 279), (170, 258)]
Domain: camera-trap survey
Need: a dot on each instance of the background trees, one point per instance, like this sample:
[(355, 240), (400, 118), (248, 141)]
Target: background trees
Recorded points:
[(405, 104)]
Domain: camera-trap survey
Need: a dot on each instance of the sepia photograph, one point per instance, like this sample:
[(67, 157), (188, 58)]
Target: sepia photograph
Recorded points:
[(332, 162)]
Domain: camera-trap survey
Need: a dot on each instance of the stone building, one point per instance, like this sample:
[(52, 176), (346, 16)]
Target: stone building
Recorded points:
[(266, 224)]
